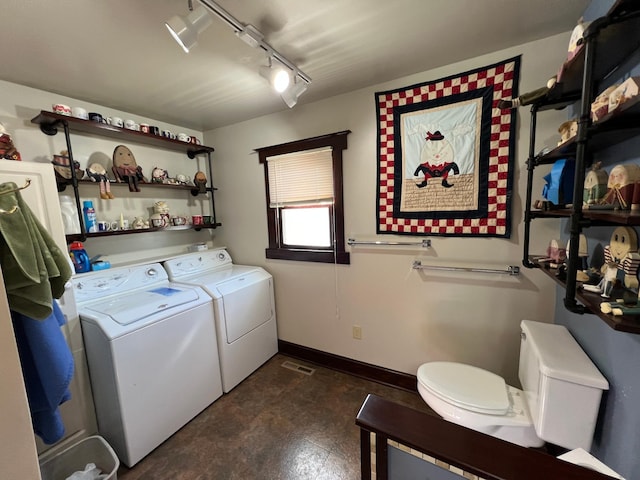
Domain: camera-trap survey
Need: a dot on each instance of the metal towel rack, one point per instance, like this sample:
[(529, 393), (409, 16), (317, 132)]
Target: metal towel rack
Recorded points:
[(510, 270), (424, 243)]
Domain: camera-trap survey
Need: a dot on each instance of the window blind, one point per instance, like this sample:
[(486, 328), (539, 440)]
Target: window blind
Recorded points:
[(300, 178)]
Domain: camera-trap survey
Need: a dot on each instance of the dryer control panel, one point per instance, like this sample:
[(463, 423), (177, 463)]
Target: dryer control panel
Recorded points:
[(104, 283), (207, 260)]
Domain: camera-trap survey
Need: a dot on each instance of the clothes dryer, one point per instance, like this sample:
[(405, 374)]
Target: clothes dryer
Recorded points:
[(243, 308), (152, 355)]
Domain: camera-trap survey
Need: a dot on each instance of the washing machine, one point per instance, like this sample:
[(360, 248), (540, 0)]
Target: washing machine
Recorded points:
[(152, 354), (243, 308)]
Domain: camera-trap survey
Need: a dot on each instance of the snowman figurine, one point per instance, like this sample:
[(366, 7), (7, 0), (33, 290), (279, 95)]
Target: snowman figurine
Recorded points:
[(437, 160)]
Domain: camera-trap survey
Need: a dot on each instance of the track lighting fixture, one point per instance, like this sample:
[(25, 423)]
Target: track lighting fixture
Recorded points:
[(185, 30), (278, 76), (289, 81), (291, 94)]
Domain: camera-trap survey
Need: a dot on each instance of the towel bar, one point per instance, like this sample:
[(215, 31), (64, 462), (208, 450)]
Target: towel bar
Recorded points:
[(17, 189), (510, 270), (424, 243)]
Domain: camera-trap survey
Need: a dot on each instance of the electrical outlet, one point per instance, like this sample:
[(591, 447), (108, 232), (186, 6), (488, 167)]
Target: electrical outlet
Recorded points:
[(357, 332)]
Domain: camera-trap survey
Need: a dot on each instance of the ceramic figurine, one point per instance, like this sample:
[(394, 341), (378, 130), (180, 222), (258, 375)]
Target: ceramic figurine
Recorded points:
[(595, 185), (159, 175), (61, 166), (139, 223), (556, 254), (600, 106), (567, 131), (7, 149), (621, 187), (583, 254), (626, 91), (575, 43)]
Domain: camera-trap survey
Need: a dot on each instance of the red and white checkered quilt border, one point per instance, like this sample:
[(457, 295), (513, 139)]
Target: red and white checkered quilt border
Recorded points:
[(502, 77)]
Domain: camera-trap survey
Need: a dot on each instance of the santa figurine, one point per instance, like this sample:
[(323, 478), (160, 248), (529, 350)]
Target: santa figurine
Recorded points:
[(7, 149)]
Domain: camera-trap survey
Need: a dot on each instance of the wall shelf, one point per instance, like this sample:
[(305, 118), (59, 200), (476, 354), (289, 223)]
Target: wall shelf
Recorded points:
[(50, 123), (62, 185), (130, 231), (595, 217), (607, 44), (592, 301)]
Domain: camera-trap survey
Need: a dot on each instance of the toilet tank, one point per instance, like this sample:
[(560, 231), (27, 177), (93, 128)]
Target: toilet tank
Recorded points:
[(563, 387)]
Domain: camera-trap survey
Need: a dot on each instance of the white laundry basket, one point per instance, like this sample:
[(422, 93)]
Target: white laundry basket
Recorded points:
[(93, 449)]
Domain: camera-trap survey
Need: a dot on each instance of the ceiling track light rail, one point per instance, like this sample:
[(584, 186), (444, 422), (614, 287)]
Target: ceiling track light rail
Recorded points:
[(186, 29)]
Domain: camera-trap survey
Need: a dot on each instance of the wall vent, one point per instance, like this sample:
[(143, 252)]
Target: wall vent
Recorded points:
[(298, 368)]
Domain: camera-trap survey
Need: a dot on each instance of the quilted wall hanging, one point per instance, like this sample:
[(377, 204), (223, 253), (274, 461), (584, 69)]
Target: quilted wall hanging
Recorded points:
[(445, 154)]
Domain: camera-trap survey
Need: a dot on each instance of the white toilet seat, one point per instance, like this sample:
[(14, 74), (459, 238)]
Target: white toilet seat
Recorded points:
[(514, 424), (466, 386)]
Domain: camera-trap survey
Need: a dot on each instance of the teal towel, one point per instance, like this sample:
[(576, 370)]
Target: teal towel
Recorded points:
[(35, 270)]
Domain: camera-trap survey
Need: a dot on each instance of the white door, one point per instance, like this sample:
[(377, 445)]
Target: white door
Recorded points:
[(41, 196)]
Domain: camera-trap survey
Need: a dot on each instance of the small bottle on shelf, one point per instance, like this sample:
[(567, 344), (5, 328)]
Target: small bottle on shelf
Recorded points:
[(90, 217)]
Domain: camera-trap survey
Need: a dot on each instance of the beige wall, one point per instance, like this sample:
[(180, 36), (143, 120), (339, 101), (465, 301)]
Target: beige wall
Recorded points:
[(407, 317)]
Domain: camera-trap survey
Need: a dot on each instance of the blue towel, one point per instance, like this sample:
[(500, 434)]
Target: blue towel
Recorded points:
[(47, 367)]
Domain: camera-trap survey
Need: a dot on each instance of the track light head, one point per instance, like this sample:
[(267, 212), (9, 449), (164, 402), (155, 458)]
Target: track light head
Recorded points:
[(290, 96), (277, 74), (185, 30)]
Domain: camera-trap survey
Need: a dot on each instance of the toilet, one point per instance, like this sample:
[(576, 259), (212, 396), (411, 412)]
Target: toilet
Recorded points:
[(558, 403)]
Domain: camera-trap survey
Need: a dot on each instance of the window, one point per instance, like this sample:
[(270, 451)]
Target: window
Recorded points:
[(304, 199)]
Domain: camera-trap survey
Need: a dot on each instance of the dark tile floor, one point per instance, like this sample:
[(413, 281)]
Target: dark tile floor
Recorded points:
[(277, 424)]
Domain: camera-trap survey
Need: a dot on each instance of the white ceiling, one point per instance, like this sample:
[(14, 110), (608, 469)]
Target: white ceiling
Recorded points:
[(117, 53)]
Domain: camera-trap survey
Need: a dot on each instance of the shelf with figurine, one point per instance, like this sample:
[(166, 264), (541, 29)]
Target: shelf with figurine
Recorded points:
[(50, 121), (608, 198), (125, 169), (577, 188), (596, 217), (609, 288), (616, 38), (619, 124), (97, 175), (147, 229), (592, 301)]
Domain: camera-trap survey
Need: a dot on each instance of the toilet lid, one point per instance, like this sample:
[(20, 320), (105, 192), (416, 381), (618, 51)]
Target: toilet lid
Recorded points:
[(465, 386)]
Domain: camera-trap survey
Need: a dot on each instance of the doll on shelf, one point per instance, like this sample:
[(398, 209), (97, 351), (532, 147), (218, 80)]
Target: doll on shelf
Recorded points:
[(97, 173), (621, 258), (126, 169)]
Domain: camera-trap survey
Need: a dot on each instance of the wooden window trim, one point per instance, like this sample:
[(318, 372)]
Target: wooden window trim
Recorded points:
[(338, 142)]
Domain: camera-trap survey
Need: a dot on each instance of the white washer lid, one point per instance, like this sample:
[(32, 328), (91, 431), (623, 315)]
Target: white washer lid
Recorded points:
[(127, 309), (465, 386)]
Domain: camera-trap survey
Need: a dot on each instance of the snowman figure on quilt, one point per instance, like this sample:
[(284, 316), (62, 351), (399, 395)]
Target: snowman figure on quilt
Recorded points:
[(621, 257), (437, 160)]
